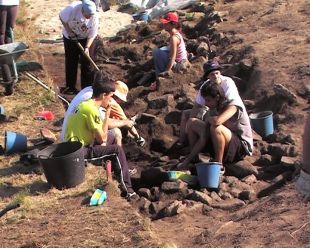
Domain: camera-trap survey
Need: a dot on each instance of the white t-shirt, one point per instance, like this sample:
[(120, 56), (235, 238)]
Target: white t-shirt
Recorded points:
[(239, 124), (9, 2), (82, 27)]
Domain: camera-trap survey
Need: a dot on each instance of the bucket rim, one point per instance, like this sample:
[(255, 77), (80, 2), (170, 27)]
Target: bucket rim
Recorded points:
[(208, 163), (41, 156), (265, 114)]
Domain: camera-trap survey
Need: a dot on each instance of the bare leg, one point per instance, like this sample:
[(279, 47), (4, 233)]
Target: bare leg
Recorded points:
[(221, 137), (198, 138), (118, 136), (184, 119)]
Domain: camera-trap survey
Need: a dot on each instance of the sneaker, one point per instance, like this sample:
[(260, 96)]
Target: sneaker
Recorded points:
[(140, 141), (132, 196)]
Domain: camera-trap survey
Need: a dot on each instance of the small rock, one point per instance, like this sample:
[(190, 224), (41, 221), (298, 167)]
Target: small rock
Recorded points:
[(203, 49), (155, 193), (235, 192), (288, 161), (282, 91), (247, 195), (201, 197), (230, 204), (226, 195), (172, 209), (155, 207), (173, 117), (215, 196), (172, 187), (206, 209), (145, 192), (144, 204), (264, 160), (280, 150), (249, 179), (241, 169)]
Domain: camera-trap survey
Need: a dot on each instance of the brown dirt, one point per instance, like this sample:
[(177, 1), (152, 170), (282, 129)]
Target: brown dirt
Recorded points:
[(278, 34)]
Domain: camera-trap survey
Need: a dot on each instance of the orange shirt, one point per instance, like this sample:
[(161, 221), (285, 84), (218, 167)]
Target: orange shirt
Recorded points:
[(117, 112)]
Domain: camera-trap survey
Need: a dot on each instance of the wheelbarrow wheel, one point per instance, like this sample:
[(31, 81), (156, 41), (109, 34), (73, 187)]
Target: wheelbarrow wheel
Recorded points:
[(8, 89)]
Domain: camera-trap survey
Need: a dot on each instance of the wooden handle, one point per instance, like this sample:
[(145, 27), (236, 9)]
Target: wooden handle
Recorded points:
[(87, 56)]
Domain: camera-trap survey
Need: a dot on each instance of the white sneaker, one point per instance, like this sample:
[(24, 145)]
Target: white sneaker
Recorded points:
[(140, 141)]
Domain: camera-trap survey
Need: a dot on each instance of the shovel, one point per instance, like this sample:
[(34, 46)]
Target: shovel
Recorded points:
[(86, 55)]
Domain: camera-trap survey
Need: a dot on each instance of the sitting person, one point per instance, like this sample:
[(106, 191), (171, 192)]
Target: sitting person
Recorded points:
[(226, 132), (174, 57), (86, 126), (213, 74), (117, 114)]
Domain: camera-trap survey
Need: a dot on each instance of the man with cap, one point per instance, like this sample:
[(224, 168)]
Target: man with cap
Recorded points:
[(212, 72), (80, 24)]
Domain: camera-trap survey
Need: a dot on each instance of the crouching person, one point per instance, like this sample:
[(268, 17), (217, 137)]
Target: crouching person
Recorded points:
[(86, 126), (226, 133)]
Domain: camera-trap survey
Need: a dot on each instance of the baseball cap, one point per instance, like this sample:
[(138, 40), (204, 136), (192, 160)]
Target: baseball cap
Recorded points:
[(121, 90), (169, 17), (88, 7), (211, 66)]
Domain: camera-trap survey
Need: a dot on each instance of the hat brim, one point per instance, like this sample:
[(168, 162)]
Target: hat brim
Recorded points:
[(120, 96), (164, 21), (218, 68)]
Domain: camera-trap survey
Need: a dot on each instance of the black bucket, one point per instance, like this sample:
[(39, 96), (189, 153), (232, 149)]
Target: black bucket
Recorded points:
[(63, 164)]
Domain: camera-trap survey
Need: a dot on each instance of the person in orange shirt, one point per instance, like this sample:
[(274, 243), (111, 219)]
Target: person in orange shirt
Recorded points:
[(117, 115)]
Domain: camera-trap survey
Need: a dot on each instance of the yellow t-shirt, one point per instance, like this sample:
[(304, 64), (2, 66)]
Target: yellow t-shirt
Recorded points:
[(83, 122)]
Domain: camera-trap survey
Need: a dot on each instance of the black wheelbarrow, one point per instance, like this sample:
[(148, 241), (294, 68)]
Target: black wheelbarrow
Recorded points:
[(9, 53)]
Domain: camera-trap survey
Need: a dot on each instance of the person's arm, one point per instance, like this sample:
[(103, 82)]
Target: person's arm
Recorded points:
[(113, 123), (223, 117), (174, 41), (89, 42), (195, 110), (68, 29)]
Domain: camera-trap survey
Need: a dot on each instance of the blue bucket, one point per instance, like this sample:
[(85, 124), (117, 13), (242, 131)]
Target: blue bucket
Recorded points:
[(2, 111), (15, 142), (262, 123), (209, 174)]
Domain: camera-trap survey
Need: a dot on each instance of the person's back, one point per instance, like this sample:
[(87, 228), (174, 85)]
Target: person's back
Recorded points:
[(82, 122)]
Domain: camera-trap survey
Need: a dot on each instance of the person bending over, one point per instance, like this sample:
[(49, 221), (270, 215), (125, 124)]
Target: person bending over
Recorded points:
[(226, 132)]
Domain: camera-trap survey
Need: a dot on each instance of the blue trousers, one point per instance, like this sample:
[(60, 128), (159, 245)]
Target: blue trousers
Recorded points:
[(161, 59)]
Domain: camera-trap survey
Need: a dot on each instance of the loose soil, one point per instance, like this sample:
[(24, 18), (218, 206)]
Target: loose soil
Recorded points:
[(277, 35)]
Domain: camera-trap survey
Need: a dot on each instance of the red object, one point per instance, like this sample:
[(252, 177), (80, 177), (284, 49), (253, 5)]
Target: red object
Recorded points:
[(46, 115), (169, 17), (108, 167)]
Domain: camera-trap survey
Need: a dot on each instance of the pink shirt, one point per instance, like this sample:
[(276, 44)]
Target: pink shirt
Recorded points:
[(181, 49)]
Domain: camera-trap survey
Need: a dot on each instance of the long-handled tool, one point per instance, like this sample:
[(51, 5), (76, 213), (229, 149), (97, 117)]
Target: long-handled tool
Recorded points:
[(9, 208), (34, 78), (87, 55)]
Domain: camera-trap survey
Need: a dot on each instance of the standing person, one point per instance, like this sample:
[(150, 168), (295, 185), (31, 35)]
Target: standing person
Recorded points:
[(303, 181), (80, 24), (226, 132), (8, 15), (86, 126), (172, 57)]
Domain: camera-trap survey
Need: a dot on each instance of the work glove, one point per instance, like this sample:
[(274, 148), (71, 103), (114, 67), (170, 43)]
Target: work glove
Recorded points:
[(140, 141)]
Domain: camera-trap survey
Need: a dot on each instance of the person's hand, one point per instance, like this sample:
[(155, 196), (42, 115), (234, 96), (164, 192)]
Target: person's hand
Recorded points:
[(130, 123), (86, 50), (165, 73), (213, 120)]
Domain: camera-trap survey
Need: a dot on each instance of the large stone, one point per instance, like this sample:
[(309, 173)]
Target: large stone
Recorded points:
[(280, 150), (203, 49), (144, 204), (250, 179), (159, 102), (174, 117), (153, 176), (172, 209), (146, 118), (172, 187), (230, 204), (284, 92), (155, 207), (201, 197), (161, 144), (264, 160), (247, 195), (241, 169)]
